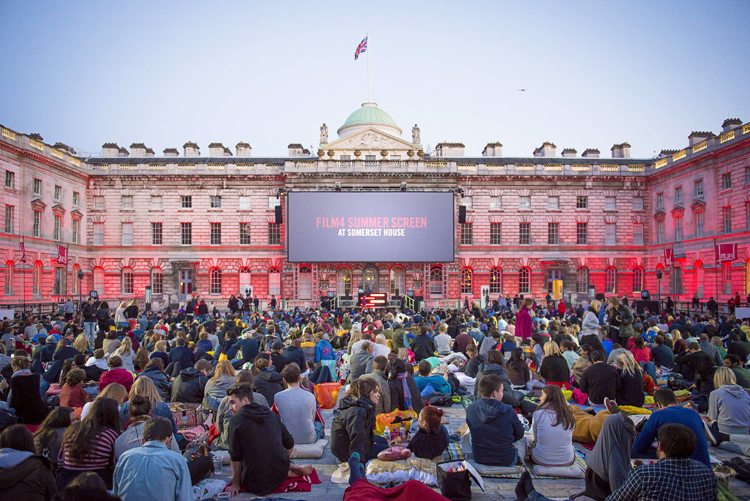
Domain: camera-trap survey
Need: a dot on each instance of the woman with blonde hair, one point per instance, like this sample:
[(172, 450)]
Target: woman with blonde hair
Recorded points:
[(356, 336), (145, 387), (729, 403), (82, 344), (629, 389), (115, 391), (125, 352), (217, 386), (160, 351), (381, 346), (554, 368), (120, 316)]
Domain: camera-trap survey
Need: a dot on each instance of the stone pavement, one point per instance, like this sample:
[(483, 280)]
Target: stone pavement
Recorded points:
[(495, 489)]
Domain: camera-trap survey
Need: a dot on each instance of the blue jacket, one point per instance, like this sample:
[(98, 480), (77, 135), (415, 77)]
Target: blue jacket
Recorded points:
[(494, 427), (324, 351), (678, 415), (438, 383)]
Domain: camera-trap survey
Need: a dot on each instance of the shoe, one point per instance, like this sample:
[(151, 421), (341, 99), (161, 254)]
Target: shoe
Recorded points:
[(710, 434), (591, 411), (611, 405)]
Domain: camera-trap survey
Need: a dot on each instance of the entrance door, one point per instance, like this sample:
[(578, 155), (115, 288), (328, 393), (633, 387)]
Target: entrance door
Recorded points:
[(485, 293), (186, 284), (305, 282), (553, 275), (370, 278), (245, 282)]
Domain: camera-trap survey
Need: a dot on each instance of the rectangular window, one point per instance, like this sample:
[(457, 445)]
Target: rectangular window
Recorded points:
[(467, 233), (98, 202), (186, 233), (468, 202), (156, 233), (371, 158), (698, 224), (660, 232), (553, 233), (8, 219), (726, 181), (127, 201), (157, 282), (582, 233), (678, 195), (610, 203), (245, 234), (553, 203), (496, 233), (127, 282), (637, 203), (10, 179), (37, 186), (678, 229), (496, 203), (582, 202), (57, 235), (524, 233), (186, 201), (215, 233), (215, 202), (60, 286), (76, 198), (524, 202), (273, 202), (58, 192), (37, 223), (156, 203), (727, 219), (74, 226), (98, 233), (245, 203), (127, 233), (698, 189), (610, 234), (637, 234), (274, 234), (660, 200)]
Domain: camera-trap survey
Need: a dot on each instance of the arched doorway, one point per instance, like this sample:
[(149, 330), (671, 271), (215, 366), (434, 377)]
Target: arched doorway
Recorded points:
[(370, 278), (305, 282), (436, 282), (245, 282)]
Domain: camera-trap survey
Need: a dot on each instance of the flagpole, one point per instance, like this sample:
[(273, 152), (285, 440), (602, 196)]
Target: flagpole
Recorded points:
[(23, 240), (369, 96)]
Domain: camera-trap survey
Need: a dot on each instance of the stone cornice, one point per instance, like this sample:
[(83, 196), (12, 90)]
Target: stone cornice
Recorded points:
[(43, 160)]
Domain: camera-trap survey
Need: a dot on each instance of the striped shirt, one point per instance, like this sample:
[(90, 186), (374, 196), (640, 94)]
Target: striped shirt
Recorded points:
[(101, 454)]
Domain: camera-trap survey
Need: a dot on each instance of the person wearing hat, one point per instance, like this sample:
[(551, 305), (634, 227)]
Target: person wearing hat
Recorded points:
[(278, 360)]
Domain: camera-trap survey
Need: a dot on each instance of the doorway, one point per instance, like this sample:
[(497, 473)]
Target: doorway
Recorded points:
[(370, 278), (553, 275)]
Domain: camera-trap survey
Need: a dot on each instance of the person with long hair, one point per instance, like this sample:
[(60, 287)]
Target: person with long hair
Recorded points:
[(48, 437), (111, 342), (115, 391), (23, 474), (630, 385), (89, 445), (554, 368), (131, 314), (160, 351), (404, 392), (125, 352), (145, 387), (82, 344), (353, 424), (72, 393), (25, 392), (729, 403), (217, 386), (154, 370), (120, 320), (552, 428), (518, 370)]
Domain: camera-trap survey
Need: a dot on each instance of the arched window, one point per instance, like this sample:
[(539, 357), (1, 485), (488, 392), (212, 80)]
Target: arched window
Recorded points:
[(215, 281), (245, 281), (157, 281), (99, 280), (36, 278), (524, 281), (274, 282), (9, 278), (638, 280), (127, 281), (582, 280), (436, 282), (304, 282), (370, 278), (496, 281), (344, 281), (398, 281), (610, 281), (466, 280)]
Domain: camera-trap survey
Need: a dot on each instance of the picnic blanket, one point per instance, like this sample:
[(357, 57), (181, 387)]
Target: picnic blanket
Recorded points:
[(467, 400), (293, 484), (454, 453)]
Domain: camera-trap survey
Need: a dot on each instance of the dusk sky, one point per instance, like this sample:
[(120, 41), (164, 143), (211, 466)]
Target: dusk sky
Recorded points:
[(270, 73)]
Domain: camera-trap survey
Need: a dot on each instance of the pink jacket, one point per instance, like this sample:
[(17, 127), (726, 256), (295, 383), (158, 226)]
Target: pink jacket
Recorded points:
[(116, 375), (523, 323)]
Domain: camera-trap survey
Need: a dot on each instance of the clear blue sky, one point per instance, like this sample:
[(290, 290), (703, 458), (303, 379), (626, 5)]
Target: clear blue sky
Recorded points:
[(270, 73)]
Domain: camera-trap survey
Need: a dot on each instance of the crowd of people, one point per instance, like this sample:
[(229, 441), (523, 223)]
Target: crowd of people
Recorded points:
[(89, 397)]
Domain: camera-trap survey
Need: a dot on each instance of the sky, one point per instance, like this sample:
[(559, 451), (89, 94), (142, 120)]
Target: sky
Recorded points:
[(270, 73)]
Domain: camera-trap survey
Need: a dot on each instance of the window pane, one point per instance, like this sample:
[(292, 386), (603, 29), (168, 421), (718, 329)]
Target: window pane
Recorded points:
[(524, 281), (215, 202), (496, 281), (524, 233), (215, 233), (156, 233), (186, 233), (466, 279), (245, 203), (610, 203), (156, 203), (127, 233), (610, 234), (524, 203), (553, 233), (496, 233), (157, 281), (99, 235), (582, 281), (466, 234), (186, 201), (127, 202), (582, 233), (638, 234), (245, 234), (637, 203), (582, 202), (274, 234), (496, 202)]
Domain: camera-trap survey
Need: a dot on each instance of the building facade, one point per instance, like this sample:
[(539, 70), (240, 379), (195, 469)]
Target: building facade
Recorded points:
[(191, 224)]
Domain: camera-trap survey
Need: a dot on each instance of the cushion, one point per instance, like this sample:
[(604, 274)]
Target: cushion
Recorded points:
[(497, 470), (414, 468), (571, 471), (309, 451), (394, 454)]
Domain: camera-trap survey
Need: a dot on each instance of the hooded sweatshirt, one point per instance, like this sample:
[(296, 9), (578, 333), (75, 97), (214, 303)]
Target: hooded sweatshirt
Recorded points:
[(730, 405), (494, 427), (352, 428), (268, 383), (25, 476), (259, 440), (189, 386)]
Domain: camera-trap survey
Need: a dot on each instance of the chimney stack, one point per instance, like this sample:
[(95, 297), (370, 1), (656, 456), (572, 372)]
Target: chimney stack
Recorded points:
[(171, 152), (569, 153), (730, 123), (110, 150), (696, 137), (446, 149), (621, 150), (191, 149), (138, 150), (590, 153), (243, 149), (216, 150), (123, 153), (493, 150), (296, 150)]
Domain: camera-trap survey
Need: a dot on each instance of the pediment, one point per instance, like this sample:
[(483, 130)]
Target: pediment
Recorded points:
[(372, 140)]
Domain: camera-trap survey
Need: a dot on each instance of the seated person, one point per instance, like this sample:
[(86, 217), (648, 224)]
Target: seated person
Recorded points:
[(190, 386), (729, 404), (353, 424), (403, 390), (630, 381), (475, 360), (569, 352), (552, 427), (431, 439), (438, 382), (494, 426), (297, 408), (662, 355), (600, 380), (259, 446), (116, 374), (687, 362), (740, 373)]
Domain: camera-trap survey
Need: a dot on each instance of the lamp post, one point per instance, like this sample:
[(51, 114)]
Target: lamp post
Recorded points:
[(659, 276), (80, 292)]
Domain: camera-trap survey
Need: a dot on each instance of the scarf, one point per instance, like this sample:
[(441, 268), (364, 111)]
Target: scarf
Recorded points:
[(407, 393)]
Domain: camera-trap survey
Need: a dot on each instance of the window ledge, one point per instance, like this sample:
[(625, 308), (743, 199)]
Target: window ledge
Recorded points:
[(610, 210), (214, 209), (554, 210), (578, 209), (525, 210), (127, 210), (156, 210), (184, 209), (497, 210)]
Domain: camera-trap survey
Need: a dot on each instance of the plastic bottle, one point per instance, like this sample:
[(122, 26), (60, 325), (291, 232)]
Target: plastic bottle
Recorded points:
[(402, 433), (387, 434)]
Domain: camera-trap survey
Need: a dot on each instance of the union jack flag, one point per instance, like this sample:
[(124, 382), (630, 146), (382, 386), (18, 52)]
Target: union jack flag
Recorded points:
[(362, 47)]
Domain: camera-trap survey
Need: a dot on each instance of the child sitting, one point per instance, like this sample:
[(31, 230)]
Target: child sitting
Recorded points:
[(431, 439)]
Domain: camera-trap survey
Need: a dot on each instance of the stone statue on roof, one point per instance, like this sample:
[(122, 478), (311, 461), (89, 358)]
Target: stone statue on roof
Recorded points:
[(415, 139), (324, 134)]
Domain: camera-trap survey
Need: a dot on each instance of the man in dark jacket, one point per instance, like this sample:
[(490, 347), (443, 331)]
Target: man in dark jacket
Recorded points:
[(89, 319), (361, 363), (182, 354), (278, 360), (249, 348), (600, 380), (190, 385), (24, 475), (259, 445), (737, 347), (296, 354), (494, 426), (423, 345), (688, 361)]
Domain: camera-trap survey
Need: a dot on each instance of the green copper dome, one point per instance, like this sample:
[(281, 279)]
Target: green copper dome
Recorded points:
[(370, 114)]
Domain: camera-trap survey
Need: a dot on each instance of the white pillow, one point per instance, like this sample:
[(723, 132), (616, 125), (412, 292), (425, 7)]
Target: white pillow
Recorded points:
[(309, 451), (571, 471)]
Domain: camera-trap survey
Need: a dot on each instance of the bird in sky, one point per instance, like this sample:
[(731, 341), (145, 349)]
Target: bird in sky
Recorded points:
[(522, 90)]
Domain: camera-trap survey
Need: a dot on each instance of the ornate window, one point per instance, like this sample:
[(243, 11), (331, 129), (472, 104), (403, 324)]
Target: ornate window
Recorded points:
[(398, 281), (127, 281), (274, 282), (245, 281), (99, 281), (36, 278), (215, 280), (9, 278), (582, 280), (496, 281), (638, 280), (524, 281), (157, 281), (466, 281), (344, 281), (436, 281), (610, 281)]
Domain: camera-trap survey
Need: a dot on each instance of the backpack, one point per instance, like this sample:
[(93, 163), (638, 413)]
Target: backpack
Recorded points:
[(7, 419), (102, 314)]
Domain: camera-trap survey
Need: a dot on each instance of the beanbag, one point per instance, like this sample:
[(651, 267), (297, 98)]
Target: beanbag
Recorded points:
[(571, 471), (309, 451), (414, 468), (394, 454)]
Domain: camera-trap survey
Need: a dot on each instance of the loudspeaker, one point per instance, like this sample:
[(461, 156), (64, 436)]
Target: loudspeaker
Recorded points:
[(279, 218), (462, 214)]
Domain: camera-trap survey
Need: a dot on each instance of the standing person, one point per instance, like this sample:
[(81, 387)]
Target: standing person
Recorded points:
[(120, 320), (259, 445), (273, 302), (256, 303), (89, 319), (23, 475), (354, 423), (297, 408), (552, 428), (523, 319), (131, 314), (102, 317)]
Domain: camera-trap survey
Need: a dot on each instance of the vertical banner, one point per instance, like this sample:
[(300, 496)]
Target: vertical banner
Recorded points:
[(725, 253), (668, 257), (23, 251), (62, 255)]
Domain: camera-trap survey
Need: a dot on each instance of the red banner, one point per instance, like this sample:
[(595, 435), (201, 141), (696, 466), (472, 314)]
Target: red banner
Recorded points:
[(668, 257), (725, 253), (23, 252), (62, 255)]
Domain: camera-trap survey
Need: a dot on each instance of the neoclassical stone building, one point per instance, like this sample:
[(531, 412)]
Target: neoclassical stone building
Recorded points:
[(188, 223)]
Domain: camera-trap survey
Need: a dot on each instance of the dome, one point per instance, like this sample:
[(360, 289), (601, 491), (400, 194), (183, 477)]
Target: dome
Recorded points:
[(369, 115)]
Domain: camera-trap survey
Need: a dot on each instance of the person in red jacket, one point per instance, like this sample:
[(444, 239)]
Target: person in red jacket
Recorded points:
[(561, 309), (523, 319), (116, 374), (72, 393)]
